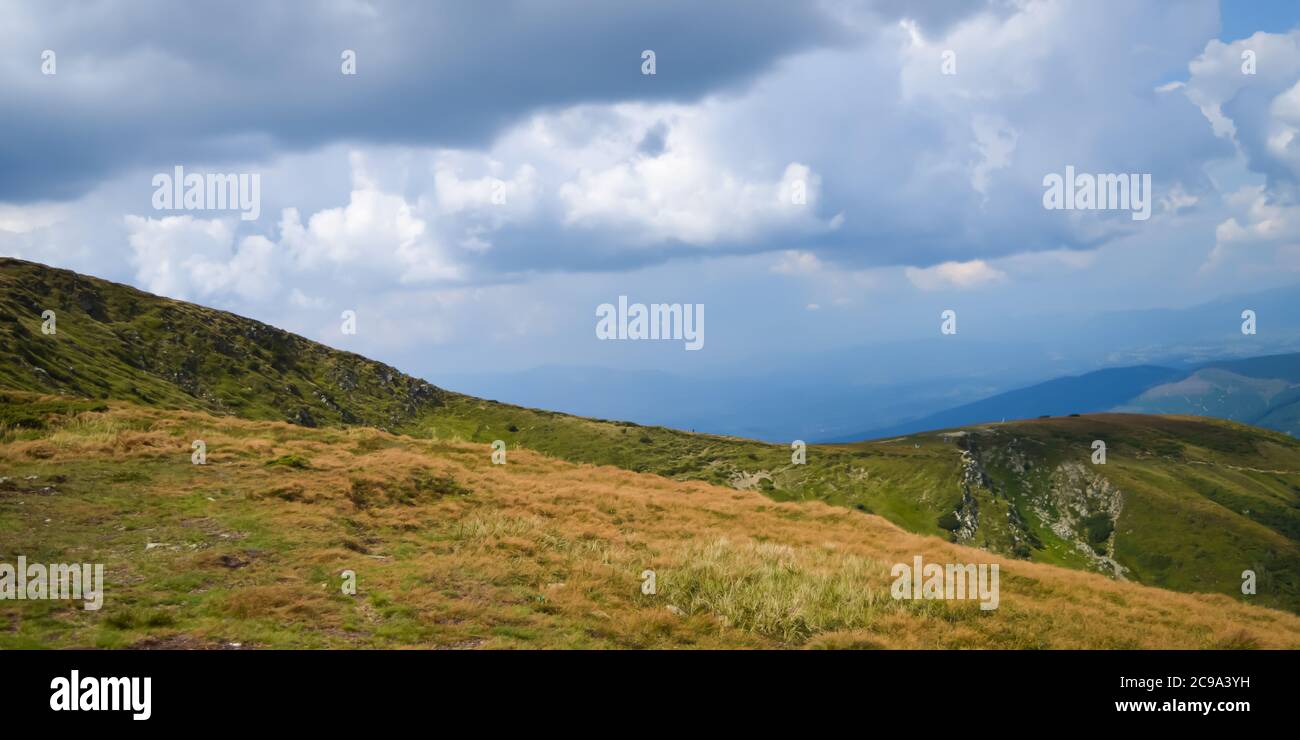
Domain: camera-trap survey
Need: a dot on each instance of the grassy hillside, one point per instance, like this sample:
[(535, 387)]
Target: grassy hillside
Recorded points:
[(113, 341), (452, 551), (1182, 503)]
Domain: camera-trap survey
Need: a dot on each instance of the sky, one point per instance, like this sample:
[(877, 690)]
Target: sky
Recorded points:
[(817, 175)]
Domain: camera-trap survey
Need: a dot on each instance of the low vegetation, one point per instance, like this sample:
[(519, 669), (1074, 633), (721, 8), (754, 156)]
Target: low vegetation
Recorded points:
[(452, 551), (1188, 504)]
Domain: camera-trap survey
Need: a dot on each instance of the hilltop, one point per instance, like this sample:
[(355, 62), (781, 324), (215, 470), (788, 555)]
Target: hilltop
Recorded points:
[(1182, 503), (449, 550)]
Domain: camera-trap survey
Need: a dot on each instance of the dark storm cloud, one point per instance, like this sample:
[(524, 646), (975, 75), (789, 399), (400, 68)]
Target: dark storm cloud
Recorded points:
[(152, 83)]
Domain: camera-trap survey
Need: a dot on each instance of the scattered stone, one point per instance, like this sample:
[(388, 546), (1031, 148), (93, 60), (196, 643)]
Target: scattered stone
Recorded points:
[(185, 642)]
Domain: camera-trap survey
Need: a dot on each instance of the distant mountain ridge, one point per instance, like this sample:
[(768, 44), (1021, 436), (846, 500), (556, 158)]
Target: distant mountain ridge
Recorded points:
[(1097, 391), (1183, 503), (1263, 391), (846, 392)]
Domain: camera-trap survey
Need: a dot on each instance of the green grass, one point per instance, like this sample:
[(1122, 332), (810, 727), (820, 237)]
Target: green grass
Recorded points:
[(1190, 519), (453, 551), (1202, 500)]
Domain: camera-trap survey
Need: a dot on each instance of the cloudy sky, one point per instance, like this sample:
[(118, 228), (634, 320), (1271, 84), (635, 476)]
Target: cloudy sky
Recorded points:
[(496, 170)]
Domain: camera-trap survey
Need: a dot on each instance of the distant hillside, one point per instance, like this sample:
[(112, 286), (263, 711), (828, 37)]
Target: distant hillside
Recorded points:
[(1282, 367), (1183, 503), (1097, 391), (1264, 391), (853, 392)]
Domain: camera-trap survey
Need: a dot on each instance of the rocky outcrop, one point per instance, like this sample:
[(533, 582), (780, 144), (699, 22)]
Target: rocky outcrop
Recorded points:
[(968, 511), (1010, 493), (1082, 508)]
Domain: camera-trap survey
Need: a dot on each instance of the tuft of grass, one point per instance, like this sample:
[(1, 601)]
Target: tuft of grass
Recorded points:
[(291, 461), (779, 592), (145, 619)]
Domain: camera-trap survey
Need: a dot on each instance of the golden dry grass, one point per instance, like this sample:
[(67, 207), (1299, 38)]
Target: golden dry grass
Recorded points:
[(452, 551)]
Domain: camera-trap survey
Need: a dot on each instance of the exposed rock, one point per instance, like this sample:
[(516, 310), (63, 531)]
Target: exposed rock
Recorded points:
[(1078, 505), (745, 481), (303, 418), (1082, 500), (89, 300)]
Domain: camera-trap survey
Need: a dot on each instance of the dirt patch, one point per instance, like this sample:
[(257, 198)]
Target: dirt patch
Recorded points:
[(30, 484), (233, 561), (186, 642), (462, 645)]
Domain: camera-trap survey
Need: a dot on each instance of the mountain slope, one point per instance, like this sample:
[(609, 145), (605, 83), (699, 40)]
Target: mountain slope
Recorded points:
[(1096, 391), (451, 551), (1282, 367), (1183, 503), (1264, 391), (1211, 392), (113, 341)]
